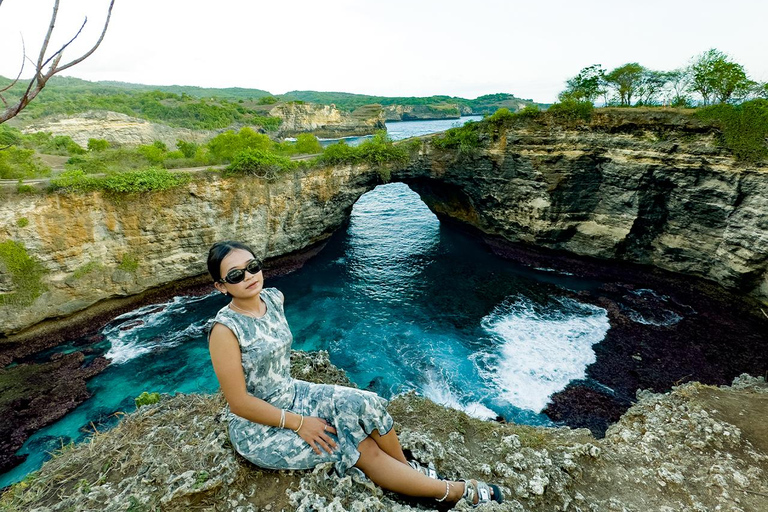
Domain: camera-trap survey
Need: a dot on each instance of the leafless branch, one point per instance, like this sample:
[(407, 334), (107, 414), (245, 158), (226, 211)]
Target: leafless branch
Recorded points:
[(52, 62)]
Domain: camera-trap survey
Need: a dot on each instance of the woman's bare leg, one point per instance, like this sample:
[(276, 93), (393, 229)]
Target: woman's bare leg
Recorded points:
[(390, 444), (393, 475)]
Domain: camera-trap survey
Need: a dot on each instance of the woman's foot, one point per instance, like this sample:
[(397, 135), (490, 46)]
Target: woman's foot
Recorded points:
[(474, 491)]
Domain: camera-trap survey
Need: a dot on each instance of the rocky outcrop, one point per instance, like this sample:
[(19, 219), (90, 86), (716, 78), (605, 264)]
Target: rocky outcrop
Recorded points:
[(695, 448), (327, 120), (424, 112), (118, 129), (94, 246), (35, 395), (650, 187)]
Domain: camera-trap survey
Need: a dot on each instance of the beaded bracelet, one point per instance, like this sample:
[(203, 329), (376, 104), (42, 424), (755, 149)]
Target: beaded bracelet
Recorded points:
[(447, 490), (301, 423)]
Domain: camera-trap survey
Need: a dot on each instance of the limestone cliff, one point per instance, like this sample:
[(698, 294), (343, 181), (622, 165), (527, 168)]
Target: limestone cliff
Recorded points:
[(327, 120), (648, 187), (93, 246), (119, 129), (424, 112)]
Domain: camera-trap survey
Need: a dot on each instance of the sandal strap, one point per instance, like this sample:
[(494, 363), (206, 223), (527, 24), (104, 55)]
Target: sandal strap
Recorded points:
[(480, 489), (429, 470)]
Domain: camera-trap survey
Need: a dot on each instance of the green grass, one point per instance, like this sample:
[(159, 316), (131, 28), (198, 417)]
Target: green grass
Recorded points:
[(91, 266)]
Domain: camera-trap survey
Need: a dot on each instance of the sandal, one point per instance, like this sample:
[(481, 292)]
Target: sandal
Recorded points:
[(482, 491), (428, 470)]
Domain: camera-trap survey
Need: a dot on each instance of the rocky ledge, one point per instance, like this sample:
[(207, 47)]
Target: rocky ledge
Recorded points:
[(696, 448)]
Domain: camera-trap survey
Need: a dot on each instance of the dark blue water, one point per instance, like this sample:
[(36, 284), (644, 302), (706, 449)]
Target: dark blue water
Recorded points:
[(400, 301)]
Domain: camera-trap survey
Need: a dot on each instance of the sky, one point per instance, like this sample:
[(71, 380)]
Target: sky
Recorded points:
[(461, 48)]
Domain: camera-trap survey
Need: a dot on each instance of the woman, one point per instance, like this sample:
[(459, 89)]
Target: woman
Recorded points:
[(278, 422)]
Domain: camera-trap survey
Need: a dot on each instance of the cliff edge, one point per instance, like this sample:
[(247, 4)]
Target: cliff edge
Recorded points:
[(696, 448)]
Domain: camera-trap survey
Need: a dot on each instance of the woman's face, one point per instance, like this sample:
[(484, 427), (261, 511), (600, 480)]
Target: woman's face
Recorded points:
[(251, 285)]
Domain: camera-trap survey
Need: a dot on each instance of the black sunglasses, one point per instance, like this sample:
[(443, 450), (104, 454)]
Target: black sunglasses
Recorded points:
[(236, 275)]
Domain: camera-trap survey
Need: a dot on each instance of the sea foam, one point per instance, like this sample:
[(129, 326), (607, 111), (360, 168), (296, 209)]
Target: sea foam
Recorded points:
[(540, 348)]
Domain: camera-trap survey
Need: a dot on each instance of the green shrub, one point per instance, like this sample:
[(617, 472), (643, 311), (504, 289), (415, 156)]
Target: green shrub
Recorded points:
[(464, 138), (570, 111), (188, 149), (146, 399), (110, 160), (18, 163), (338, 153), (307, 144), (380, 150), (267, 100), (98, 144), (22, 222), (9, 136), (26, 274), (21, 188), (47, 143), (91, 266), (129, 263), (154, 154), (225, 146), (744, 127), (257, 162)]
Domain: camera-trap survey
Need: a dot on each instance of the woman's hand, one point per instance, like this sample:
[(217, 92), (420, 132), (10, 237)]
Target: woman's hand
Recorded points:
[(315, 432)]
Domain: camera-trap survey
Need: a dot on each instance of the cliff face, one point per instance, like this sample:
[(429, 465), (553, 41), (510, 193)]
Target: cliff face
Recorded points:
[(647, 188), (423, 112), (93, 247), (327, 120), (650, 188), (119, 129)]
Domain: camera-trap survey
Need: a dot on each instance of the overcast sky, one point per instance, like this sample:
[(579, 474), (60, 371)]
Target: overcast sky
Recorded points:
[(389, 47)]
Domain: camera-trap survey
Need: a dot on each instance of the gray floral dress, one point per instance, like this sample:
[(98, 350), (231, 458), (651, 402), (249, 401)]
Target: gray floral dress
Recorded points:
[(265, 344)]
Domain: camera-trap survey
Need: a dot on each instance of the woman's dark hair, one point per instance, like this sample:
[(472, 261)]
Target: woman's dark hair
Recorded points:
[(218, 252)]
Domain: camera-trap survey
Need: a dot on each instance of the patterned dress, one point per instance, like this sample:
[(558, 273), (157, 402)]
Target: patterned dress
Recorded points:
[(265, 344)]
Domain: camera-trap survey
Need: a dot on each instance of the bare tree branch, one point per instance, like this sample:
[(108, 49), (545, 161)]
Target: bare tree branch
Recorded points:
[(21, 70), (42, 75)]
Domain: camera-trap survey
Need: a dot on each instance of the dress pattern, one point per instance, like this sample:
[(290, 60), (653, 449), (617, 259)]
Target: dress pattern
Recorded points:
[(265, 345)]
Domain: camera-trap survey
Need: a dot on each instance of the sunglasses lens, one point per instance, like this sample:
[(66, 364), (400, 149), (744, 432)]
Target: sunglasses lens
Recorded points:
[(237, 275)]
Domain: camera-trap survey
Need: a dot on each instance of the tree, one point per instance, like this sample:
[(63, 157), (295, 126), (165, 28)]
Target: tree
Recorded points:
[(716, 78), (586, 86), (46, 65), (651, 86), (678, 84), (626, 80)]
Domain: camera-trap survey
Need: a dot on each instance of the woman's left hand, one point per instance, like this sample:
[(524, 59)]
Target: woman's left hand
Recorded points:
[(315, 432)]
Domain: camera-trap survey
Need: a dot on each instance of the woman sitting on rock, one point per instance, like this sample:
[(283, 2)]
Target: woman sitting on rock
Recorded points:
[(279, 422)]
